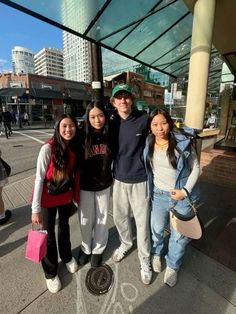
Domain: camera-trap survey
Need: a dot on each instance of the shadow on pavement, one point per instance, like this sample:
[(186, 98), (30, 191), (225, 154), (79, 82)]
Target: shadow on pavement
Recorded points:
[(218, 214), (10, 239)]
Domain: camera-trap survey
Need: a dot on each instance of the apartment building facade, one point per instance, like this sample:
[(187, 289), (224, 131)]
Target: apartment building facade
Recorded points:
[(49, 62)]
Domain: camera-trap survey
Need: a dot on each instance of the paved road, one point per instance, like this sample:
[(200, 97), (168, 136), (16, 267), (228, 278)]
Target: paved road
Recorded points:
[(21, 151)]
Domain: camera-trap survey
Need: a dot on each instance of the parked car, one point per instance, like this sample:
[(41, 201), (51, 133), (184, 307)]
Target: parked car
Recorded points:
[(37, 118), (178, 121), (80, 121), (48, 117)]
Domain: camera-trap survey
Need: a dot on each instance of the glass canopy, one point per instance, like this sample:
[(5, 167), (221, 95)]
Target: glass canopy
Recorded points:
[(155, 33)]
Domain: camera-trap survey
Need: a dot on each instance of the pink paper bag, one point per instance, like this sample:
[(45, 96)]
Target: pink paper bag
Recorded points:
[(36, 246)]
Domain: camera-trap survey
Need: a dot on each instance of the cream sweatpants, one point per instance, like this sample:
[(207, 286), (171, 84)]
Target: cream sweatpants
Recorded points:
[(93, 213)]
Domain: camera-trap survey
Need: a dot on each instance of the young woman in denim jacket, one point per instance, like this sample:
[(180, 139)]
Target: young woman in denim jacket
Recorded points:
[(171, 164)]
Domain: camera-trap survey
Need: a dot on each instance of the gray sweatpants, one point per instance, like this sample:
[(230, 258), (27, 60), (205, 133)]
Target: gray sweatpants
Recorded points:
[(127, 197), (93, 212)]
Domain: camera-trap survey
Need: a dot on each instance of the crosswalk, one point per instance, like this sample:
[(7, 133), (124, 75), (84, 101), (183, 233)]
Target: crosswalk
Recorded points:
[(37, 135)]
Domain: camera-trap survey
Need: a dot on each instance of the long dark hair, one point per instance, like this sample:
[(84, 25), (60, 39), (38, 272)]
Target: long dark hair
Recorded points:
[(171, 138), (90, 131), (60, 154)]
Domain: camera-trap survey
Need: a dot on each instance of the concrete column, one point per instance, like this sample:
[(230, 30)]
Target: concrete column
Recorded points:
[(203, 21)]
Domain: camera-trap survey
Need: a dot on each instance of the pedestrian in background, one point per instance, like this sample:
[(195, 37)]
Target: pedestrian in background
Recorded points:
[(212, 121), (7, 119), (95, 184), (57, 162), (25, 118), (1, 124), (172, 166), (13, 114), (5, 215), (129, 131)]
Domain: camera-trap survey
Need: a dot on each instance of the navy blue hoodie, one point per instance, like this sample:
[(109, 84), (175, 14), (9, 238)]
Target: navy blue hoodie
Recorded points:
[(129, 137)]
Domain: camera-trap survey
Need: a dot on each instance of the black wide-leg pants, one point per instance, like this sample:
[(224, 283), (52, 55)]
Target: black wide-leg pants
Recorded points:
[(50, 261)]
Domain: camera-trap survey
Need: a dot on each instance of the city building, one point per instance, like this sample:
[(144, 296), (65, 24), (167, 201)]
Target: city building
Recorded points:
[(76, 51), (22, 60), (49, 62), (42, 97), (146, 95)]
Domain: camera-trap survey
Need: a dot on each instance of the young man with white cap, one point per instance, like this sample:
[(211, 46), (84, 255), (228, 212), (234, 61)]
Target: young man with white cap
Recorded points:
[(129, 129)]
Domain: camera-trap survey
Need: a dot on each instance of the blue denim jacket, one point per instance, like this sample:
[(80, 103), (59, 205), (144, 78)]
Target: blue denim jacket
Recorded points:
[(183, 169)]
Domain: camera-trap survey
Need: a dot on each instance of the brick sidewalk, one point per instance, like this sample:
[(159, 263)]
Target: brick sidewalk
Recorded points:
[(17, 194)]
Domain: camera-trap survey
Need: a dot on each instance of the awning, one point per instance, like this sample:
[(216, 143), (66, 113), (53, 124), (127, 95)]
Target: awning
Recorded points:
[(111, 77), (11, 92), (155, 33), (77, 94), (45, 93)]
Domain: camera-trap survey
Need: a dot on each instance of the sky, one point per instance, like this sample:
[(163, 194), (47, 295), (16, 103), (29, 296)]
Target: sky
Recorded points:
[(20, 29)]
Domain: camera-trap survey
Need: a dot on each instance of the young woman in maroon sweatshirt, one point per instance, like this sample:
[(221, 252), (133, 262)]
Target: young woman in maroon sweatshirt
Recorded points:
[(95, 184)]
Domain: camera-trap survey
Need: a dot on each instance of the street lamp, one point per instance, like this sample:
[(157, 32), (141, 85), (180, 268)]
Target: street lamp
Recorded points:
[(96, 90), (97, 77), (26, 96)]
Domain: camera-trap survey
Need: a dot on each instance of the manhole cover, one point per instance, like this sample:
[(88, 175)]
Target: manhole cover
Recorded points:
[(99, 280)]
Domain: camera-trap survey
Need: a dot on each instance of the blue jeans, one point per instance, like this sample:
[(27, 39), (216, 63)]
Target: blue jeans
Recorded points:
[(160, 207)]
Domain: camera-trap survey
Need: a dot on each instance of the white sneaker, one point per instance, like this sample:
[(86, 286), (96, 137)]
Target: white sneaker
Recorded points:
[(119, 254), (156, 263), (72, 266), (170, 277), (53, 284), (146, 271)]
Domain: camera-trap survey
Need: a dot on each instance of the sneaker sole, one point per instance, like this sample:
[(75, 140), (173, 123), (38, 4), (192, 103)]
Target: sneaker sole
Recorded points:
[(156, 270), (170, 285), (146, 283), (116, 260)]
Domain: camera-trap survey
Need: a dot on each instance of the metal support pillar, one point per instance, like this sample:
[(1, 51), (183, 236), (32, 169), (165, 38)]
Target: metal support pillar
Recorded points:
[(97, 75)]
